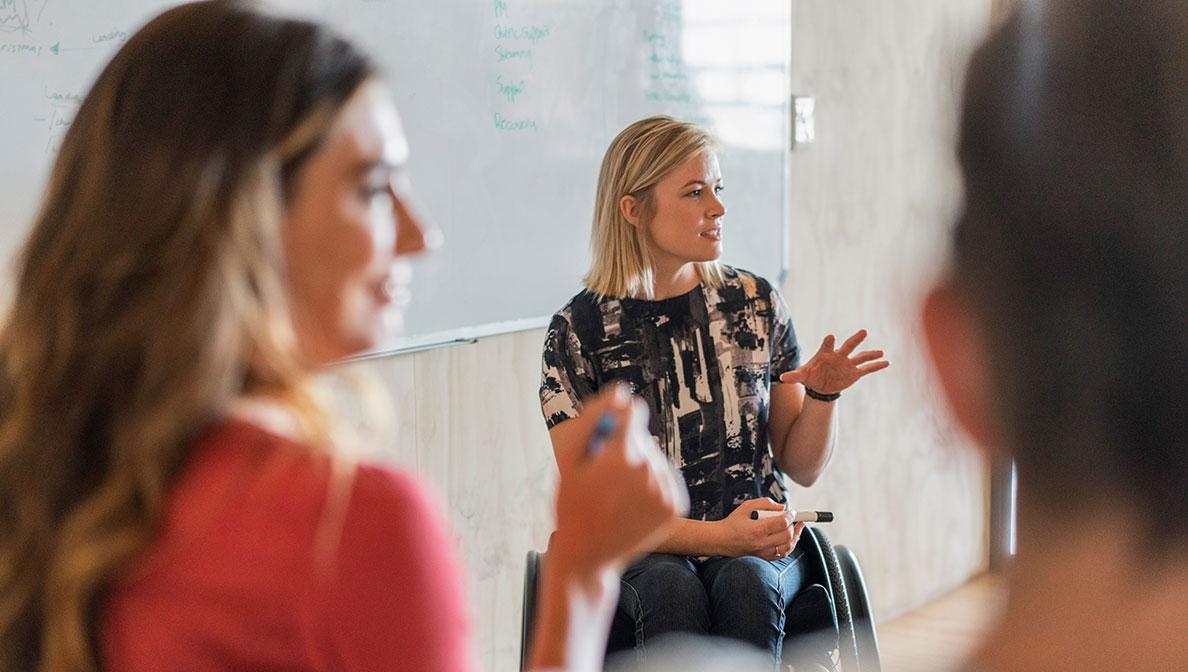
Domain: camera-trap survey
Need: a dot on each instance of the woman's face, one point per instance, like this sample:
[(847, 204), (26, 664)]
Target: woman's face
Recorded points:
[(687, 225), (351, 231)]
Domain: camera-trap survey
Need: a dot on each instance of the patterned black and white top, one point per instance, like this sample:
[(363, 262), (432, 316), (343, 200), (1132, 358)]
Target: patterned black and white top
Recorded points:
[(704, 362)]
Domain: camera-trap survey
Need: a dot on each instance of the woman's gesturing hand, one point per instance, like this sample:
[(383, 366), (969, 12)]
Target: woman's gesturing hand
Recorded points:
[(831, 371)]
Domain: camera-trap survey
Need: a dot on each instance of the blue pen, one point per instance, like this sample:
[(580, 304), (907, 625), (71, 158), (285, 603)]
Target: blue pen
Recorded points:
[(602, 431)]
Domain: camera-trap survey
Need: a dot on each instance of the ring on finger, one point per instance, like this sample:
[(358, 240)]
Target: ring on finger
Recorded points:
[(777, 552)]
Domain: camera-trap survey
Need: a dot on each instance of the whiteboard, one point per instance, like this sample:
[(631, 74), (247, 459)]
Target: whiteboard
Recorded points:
[(508, 105)]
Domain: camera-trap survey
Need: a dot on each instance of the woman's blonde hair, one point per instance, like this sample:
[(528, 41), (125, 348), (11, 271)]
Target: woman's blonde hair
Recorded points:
[(151, 293), (639, 157)]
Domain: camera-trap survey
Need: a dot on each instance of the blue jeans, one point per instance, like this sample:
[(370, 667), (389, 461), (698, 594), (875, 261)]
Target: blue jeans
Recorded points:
[(739, 598)]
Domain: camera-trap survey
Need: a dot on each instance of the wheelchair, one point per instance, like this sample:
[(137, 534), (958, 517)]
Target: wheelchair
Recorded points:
[(835, 598)]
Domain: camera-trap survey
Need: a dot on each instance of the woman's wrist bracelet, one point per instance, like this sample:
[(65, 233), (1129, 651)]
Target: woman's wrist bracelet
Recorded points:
[(819, 396)]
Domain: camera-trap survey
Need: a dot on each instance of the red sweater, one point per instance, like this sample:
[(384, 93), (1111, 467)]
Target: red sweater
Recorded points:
[(266, 561)]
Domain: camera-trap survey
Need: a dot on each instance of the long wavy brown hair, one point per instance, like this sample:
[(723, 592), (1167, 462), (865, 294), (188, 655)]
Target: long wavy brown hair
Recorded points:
[(150, 294)]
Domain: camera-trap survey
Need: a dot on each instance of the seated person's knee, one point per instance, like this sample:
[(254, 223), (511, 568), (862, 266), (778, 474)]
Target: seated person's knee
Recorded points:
[(747, 575), (676, 582)]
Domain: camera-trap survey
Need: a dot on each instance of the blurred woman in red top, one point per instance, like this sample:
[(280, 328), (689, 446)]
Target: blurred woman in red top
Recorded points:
[(229, 214)]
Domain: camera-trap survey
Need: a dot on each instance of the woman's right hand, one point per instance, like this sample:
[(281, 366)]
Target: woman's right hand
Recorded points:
[(621, 501), (769, 538)]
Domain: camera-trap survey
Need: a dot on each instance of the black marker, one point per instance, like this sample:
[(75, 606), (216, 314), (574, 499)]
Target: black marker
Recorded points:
[(797, 516)]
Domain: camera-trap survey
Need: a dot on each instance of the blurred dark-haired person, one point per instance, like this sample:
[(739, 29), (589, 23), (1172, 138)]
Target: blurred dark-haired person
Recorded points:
[(1059, 331)]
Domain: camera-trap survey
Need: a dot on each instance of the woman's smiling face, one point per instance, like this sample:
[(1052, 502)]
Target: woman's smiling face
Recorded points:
[(351, 230)]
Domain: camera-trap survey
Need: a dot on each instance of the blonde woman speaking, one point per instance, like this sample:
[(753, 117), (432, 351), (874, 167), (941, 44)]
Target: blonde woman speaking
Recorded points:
[(702, 343)]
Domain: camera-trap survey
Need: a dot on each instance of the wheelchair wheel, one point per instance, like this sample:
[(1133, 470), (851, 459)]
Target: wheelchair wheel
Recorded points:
[(864, 627), (847, 641)]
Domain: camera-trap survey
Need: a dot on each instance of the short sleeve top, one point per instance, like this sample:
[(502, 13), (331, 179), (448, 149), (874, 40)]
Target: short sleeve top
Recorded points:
[(703, 361)]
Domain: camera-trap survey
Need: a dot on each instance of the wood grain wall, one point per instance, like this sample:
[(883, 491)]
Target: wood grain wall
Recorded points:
[(871, 201)]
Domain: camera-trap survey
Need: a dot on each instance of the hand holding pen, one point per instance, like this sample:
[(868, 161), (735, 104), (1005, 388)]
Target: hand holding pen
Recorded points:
[(797, 516), (623, 495), (614, 501)]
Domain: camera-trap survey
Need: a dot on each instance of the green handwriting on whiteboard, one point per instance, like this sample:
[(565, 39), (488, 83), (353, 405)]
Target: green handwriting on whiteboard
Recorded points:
[(509, 90), (110, 36), (20, 49), (667, 96), (502, 123), (533, 33), (503, 54)]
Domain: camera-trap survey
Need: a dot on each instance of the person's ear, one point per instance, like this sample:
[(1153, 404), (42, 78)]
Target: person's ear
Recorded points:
[(957, 350), (629, 208)]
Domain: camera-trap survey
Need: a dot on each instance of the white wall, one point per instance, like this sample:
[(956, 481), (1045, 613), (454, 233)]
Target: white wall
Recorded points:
[(872, 201)]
